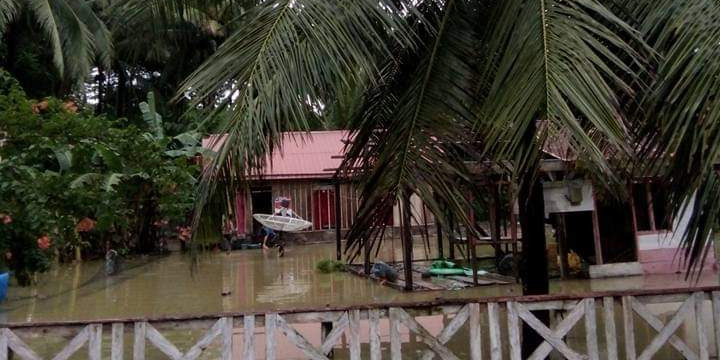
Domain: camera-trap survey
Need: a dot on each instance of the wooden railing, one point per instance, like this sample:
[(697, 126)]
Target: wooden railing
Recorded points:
[(506, 313)]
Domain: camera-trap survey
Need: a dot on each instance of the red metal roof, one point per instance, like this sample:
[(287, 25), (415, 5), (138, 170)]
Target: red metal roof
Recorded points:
[(304, 155)]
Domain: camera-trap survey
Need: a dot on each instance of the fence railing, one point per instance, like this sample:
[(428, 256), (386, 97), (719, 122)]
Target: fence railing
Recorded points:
[(700, 305)]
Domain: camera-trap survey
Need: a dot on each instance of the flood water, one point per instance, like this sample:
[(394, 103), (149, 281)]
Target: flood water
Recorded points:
[(256, 281)]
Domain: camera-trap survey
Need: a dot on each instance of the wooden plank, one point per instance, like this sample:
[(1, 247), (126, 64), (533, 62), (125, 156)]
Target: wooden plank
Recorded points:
[(197, 349), (3, 345), (629, 328), (354, 334), (162, 344), (514, 331), (658, 325), (117, 348), (18, 347), (716, 318), (615, 270), (227, 339), (591, 330), (75, 344), (395, 343), (270, 324), (663, 299), (610, 332), (95, 341), (666, 332), (548, 334), (495, 335), (374, 316), (703, 346), (560, 331), (455, 324), (335, 334), (299, 341), (424, 336), (475, 339), (139, 343), (551, 305), (248, 337)]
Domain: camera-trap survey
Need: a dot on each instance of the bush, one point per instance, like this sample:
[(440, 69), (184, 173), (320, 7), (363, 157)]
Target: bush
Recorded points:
[(74, 183), (327, 266)]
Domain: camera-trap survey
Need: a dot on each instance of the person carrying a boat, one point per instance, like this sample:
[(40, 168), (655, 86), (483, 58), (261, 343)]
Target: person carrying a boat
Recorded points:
[(283, 210)]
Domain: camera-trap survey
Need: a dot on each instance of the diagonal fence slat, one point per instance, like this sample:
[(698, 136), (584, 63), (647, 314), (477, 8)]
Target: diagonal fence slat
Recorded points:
[(450, 330), (560, 331), (75, 344), (548, 334), (424, 336), (665, 332), (19, 347), (335, 334), (677, 343), (299, 341)]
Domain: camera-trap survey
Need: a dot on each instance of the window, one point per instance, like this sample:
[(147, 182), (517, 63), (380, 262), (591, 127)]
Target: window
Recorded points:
[(649, 205)]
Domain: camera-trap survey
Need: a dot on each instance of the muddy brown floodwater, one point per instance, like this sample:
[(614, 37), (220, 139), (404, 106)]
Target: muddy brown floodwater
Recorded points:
[(257, 281)]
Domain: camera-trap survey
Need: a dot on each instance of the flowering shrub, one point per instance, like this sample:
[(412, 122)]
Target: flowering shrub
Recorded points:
[(72, 182)]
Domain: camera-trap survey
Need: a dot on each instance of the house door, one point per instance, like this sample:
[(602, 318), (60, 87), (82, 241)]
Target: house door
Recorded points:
[(323, 206), (262, 203)]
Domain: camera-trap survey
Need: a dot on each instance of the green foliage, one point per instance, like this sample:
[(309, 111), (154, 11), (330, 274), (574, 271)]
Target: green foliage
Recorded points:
[(327, 266), (58, 167)]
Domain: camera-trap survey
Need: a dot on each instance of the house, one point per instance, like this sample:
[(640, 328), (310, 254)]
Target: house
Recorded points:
[(617, 237), (304, 172)]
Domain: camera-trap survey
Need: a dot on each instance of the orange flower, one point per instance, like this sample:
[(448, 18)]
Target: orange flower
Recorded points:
[(44, 242), (85, 225)]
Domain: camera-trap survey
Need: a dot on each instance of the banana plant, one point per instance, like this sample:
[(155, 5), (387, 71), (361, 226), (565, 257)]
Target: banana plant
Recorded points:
[(181, 145)]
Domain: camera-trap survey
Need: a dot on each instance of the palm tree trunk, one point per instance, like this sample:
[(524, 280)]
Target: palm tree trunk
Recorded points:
[(533, 269)]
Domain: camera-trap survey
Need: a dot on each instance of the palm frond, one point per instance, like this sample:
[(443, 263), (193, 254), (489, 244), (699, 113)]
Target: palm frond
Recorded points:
[(46, 18), (412, 135), (77, 40), (8, 10), (287, 52), (559, 67), (681, 112)]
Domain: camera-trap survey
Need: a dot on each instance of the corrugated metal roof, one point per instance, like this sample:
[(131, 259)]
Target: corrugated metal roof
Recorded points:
[(303, 155)]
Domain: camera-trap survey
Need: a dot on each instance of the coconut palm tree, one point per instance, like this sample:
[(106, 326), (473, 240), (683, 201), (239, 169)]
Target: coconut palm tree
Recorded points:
[(493, 82), (76, 35)]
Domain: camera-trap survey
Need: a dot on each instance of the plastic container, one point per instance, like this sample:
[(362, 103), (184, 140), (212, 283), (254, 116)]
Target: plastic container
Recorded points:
[(4, 280)]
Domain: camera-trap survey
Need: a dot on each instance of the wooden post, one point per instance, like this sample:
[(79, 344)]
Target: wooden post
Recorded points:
[(139, 343), (596, 233), (270, 326), (561, 237), (451, 237), (338, 223), (374, 318), (439, 239), (118, 338), (470, 238), (248, 337), (495, 221), (407, 239), (534, 256), (366, 256)]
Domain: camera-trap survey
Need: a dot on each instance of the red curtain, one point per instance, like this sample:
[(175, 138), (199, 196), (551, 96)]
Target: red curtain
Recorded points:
[(323, 207)]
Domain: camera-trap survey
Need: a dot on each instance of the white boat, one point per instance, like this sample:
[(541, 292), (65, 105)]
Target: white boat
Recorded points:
[(282, 223)]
